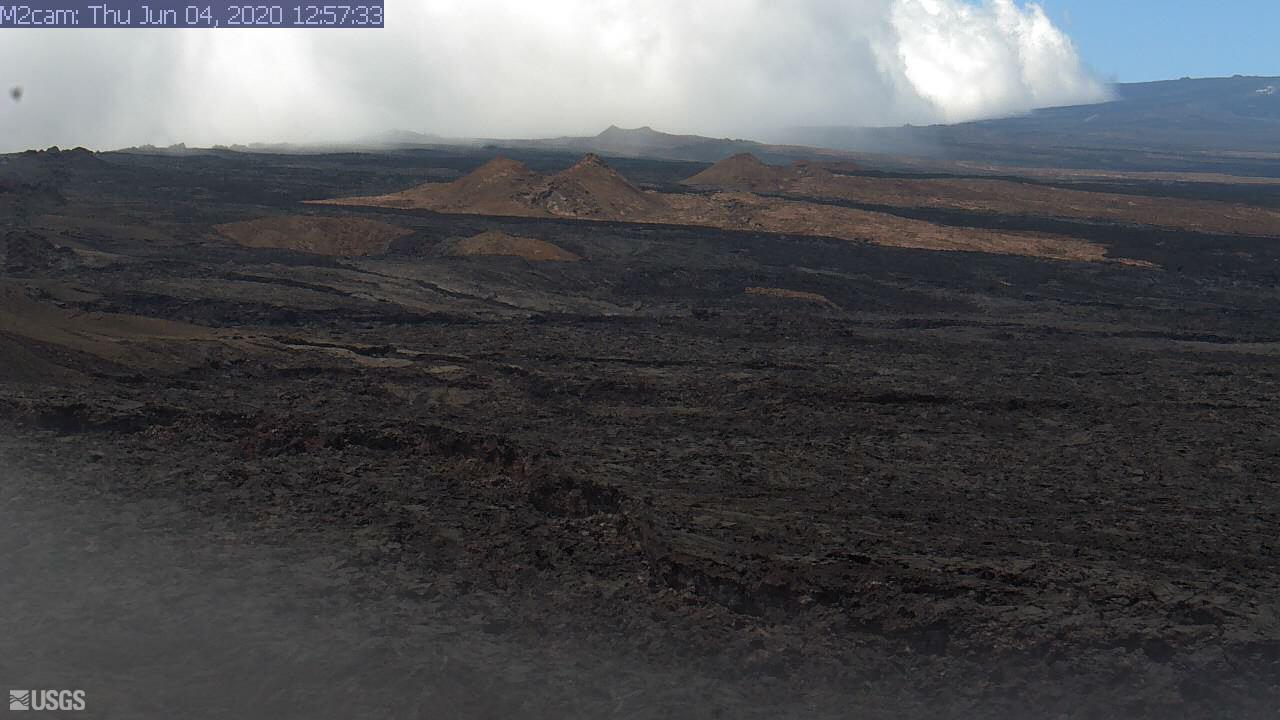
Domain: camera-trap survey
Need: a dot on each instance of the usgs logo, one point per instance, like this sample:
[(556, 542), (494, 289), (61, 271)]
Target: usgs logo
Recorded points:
[(46, 699)]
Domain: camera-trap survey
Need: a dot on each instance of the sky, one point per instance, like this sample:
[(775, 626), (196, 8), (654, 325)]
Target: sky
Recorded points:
[(517, 68), (1144, 40)]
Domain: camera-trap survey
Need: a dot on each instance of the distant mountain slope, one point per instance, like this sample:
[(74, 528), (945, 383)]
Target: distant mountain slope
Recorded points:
[(1223, 126), (1240, 114), (1170, 124)]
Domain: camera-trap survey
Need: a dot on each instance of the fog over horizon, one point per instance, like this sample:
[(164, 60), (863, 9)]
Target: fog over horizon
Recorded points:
[(489, 68)]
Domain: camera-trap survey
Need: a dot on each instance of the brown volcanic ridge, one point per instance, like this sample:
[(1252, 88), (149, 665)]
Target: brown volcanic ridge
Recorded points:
[(500, 243), (342, 237), (808, 180), (746, 172), (591, 190), (500, 187)]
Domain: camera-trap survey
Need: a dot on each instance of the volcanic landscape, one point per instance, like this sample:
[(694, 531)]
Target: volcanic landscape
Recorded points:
[(658, 438)]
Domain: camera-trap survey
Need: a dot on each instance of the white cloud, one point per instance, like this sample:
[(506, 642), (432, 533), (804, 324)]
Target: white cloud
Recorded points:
[(517, 68)]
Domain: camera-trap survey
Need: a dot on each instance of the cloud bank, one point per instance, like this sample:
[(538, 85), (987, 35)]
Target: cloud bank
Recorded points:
[(510, 68)]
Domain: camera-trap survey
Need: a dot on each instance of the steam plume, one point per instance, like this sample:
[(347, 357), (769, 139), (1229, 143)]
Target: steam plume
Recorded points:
[(494, 68)]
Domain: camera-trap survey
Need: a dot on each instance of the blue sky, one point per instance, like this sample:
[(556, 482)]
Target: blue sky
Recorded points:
[(1138, 40)]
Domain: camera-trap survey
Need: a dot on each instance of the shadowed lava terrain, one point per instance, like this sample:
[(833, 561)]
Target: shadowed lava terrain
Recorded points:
[(824, 442)]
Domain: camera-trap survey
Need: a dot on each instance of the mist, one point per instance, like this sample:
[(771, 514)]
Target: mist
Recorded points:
[(495, 68)]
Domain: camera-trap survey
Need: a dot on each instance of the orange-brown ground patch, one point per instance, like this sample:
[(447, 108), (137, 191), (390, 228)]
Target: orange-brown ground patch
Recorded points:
[(990, 196), (40, 340), (500, 243), (589, 190), (784, 294), (593, 191), (746, 211), (746, 172), (500, 187), (741, 172), (318, 235)]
